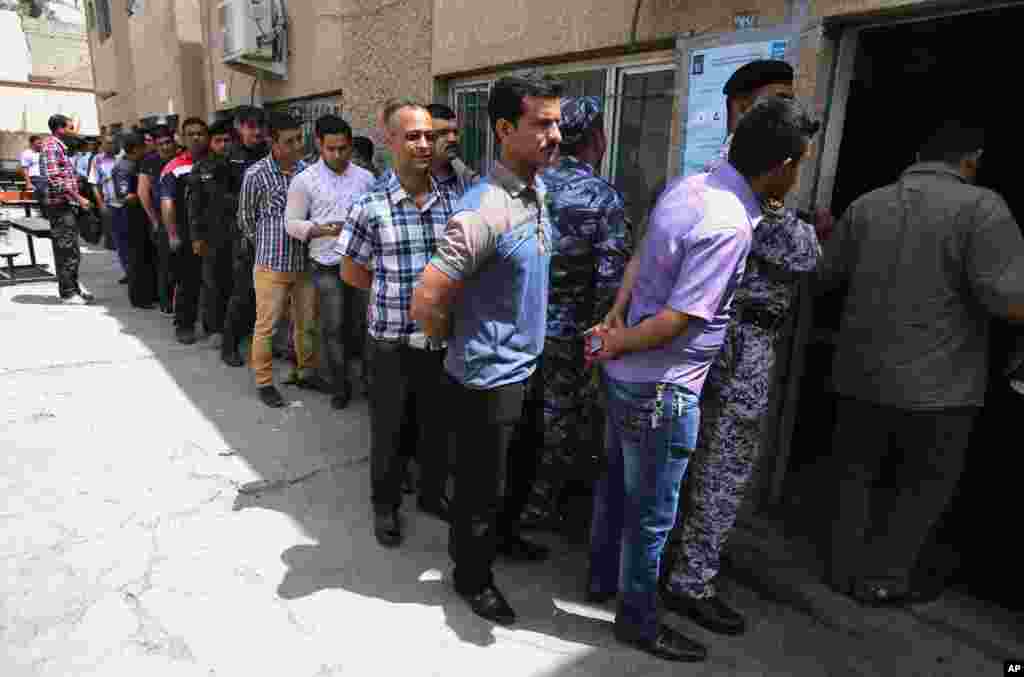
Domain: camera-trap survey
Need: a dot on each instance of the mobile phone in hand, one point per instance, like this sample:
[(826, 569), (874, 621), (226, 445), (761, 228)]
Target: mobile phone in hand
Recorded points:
[(594, 343)]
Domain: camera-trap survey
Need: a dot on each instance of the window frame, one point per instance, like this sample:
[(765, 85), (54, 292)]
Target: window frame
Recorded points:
[(613, 67)]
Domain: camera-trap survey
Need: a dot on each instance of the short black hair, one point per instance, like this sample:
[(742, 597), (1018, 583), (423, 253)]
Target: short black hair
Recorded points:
[(131, 141), (952, 142), (161, 132), (221, 127), (363, 146), (508, 93), (34, 138), (332, 124), (440, 111), (250, 114), (191, 122), (282, 122), (774, 130), (58, 121)]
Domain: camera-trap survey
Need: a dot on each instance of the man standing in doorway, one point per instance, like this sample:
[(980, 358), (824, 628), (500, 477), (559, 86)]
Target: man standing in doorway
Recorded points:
[(30, 158), (448, 169), (174, 188), (62, 199), (212, 216), (318, 201), (491, 274), (592, 245), (681, 293), (927, 262), (386, 241), (151, 168), (280, 275), (241, 312)]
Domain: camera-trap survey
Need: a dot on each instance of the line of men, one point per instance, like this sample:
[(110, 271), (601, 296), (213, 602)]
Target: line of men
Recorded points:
[(488, 298)]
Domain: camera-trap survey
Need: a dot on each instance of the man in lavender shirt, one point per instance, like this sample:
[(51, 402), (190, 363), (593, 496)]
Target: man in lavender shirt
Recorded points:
[(318, 200), (679, 288)]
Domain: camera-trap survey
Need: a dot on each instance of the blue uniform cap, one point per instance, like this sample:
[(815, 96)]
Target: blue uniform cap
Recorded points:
[(578, 115)]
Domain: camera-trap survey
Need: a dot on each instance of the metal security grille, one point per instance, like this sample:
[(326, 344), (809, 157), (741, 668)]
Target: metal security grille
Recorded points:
[(308, 111)]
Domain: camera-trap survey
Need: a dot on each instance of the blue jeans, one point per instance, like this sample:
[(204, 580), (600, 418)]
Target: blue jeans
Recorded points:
[(650, 434)]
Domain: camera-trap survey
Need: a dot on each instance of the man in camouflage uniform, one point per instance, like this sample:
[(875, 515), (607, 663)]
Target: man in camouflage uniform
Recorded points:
[(736, 394), (592, 244)]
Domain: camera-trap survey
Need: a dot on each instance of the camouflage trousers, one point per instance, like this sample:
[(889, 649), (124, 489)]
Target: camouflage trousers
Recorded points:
[(733, 407), (573, 446), (66, 253)]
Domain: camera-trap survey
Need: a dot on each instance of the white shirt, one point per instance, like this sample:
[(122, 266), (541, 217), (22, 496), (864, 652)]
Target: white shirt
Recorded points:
[(319, 195), (30, 161)]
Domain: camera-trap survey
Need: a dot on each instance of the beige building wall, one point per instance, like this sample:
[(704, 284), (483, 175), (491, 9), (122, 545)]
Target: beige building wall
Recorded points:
[(59, 51)]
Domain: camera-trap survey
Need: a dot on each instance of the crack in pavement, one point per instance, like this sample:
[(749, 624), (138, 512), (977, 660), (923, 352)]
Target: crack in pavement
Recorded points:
[(263, 486)]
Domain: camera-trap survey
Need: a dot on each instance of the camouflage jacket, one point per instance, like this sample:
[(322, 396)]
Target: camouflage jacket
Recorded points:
[(592, 245)]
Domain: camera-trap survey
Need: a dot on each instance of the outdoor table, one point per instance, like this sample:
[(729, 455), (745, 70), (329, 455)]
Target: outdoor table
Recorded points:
[(27, 204), (33, 227)]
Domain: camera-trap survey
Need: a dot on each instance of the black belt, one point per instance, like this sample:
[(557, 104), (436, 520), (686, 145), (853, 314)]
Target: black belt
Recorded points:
[(761, 318), (321, 267)]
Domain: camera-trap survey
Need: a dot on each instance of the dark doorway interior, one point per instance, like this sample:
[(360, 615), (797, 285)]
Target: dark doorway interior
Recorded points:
[(909, 78)]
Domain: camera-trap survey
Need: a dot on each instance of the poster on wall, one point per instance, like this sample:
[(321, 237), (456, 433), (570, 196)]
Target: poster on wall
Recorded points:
[(706, 123)]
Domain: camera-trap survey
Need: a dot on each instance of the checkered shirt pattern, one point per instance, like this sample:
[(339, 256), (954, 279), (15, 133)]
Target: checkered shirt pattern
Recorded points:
[(60, 173), (261, 216), (387, 233)]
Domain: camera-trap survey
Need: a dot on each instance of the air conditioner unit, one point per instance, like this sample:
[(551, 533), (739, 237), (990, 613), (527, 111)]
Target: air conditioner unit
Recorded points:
[(255, 36)]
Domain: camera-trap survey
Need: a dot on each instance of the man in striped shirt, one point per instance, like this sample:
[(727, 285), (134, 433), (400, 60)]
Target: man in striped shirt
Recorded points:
[(281, 271)]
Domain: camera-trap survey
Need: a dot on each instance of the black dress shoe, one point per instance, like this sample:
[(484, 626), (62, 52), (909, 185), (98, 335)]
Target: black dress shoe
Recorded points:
[(387, 528), (490, 604), (435, 507), (710, 612), (599, 598), (669, 645), (232, 358), (271, 397), (520, 550), (123, 280), (341, 400), (186, 336)]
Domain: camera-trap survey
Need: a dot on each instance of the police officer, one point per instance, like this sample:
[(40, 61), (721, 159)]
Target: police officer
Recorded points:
[(211, 213), (241, 312), (735, 398), (592, 245)]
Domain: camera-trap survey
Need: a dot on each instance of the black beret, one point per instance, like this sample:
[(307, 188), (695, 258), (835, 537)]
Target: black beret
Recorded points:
[(757, 74)]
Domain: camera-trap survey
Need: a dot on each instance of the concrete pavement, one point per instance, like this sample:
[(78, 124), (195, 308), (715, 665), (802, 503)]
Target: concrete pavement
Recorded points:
[(158, 520)]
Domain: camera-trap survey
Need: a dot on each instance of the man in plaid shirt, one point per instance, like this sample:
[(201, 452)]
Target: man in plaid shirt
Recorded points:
[(62, 199), (386, 240), (280, 273)]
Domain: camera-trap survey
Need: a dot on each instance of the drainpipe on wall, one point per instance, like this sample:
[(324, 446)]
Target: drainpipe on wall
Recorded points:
[(636, 21)]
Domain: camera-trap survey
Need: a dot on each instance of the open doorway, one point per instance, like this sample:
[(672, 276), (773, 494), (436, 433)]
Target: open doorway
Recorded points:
[(907, 79)]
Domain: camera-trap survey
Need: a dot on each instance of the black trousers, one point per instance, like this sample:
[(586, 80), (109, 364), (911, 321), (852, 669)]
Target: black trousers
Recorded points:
[(188, 271), (401, 374), (218, 278), (897, 470), (166, 278), (497, 436), (241, 311), (142, 259)]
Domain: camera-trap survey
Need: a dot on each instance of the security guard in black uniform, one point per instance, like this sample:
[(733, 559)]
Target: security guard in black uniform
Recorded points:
[(250, 125), (212, 209)]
